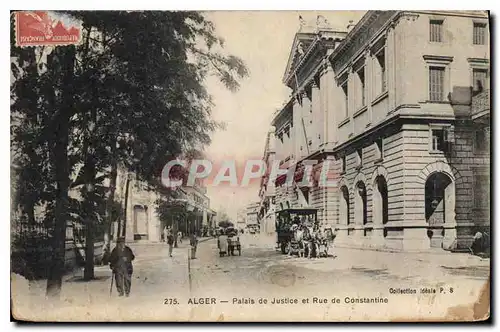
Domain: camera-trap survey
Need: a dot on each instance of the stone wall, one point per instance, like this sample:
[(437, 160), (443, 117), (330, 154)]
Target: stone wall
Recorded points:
[(391, 168), (462, 164)]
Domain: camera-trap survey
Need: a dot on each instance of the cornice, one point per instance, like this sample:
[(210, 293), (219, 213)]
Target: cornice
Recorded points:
[(320, 43), (361, 27), (461, 13)]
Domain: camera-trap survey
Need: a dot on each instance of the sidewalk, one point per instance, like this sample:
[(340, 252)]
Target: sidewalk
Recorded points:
[(156, 277)]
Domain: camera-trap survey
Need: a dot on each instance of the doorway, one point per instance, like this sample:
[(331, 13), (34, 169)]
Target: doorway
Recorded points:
[(439, 206)]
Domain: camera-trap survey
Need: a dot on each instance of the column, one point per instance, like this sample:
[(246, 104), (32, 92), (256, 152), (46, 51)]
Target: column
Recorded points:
[(330, 94), (304, 125), (297, 115), (316, 117), (351, 93), (390, 56), (369, 79)]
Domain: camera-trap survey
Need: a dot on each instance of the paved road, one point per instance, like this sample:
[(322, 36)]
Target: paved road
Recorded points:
[(262, 272), (162, 291)]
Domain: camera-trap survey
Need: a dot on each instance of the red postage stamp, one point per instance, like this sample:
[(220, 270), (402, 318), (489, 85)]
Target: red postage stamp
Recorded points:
[(46, 28)]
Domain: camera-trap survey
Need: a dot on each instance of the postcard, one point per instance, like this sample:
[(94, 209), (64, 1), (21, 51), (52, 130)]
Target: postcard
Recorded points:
[(250, 166)]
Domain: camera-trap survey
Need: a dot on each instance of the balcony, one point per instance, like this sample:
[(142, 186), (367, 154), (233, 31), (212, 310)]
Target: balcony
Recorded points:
[(480, 105)]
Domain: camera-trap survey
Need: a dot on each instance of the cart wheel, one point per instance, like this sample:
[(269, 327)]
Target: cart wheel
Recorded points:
[(283, 248)]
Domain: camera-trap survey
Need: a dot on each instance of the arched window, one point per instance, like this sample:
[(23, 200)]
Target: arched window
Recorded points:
[(344, 206), (360, 212)]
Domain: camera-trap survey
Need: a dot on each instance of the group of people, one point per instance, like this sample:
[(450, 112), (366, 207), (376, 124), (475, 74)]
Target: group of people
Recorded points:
[(170, 237), (311, 241), (228, 241)]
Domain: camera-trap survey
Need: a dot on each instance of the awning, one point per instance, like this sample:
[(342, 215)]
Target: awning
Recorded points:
[(297, 177), (299, 174), (280, 180)]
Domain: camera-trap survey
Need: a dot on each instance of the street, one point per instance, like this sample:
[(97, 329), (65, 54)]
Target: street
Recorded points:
[(239, 285)]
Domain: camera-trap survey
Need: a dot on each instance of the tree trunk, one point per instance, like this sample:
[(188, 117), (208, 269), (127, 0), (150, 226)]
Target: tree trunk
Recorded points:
[(62, 171), (110, 211), (30, 211), (88, 272), (90, 174), (125, 208)]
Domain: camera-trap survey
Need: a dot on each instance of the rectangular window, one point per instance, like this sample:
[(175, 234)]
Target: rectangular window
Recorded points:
[(481, 191), (361, 75), (344, 166), (479, 34), (381, 63), (436, 31), (479, 79), (439, 140), (436, 83), (346, 99)]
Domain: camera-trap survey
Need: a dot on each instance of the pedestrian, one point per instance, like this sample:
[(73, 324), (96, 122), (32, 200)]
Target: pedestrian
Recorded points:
[(170, 241), (193, 241), (120, 262), (165, 233), (222, 243), (179, 237)]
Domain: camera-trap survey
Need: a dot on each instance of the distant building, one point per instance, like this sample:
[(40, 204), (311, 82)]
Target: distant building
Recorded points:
[(241, 219), (267, 204), (143, 222), (252, 212)]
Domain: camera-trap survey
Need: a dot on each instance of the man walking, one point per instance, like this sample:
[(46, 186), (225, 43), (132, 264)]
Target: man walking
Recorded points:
[(170, 241), (193, 241), (120, 262)]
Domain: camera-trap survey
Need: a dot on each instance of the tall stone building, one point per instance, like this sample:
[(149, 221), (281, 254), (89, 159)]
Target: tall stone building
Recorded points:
[(400, 105), (252, 212), (267, 207)]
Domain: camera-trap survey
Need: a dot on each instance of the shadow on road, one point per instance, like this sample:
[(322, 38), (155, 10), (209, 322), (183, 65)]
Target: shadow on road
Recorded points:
[(80, 279)]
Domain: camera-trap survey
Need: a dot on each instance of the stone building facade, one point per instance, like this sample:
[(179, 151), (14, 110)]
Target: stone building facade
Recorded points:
[(267, 208), (142, 221), (389, 103), (252, 214)]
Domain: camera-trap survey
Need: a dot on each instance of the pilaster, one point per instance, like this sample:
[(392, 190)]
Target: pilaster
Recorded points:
[(297, 110), (316, 117)]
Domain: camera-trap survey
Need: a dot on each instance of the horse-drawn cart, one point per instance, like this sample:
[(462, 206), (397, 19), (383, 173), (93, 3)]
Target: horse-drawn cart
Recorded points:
[(288, 222), (229, 242)]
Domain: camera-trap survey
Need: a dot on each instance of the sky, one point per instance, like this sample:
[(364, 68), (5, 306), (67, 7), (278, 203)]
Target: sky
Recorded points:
[(263, 40)]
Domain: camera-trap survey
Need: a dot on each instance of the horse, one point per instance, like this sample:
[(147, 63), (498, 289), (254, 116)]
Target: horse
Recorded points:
[(298, 235), (307, 240)]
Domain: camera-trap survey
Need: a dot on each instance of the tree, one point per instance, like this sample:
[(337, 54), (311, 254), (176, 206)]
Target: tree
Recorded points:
[(131, 95)]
